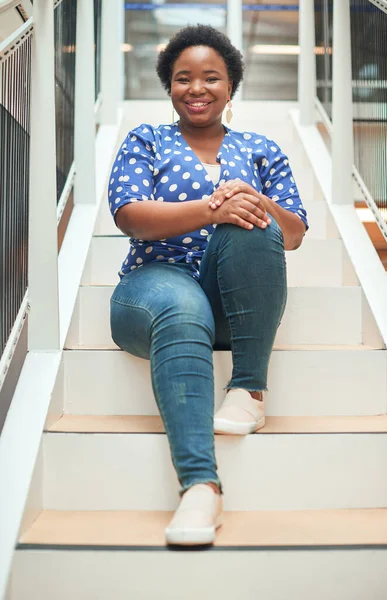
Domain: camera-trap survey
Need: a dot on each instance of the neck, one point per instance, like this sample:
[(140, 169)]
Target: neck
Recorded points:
[(211, 131)]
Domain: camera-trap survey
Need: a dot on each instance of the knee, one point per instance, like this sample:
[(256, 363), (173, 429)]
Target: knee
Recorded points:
[(130, 328), (268, 238)]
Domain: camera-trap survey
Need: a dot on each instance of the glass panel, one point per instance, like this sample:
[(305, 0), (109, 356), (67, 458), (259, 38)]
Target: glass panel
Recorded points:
[(147, 28), (270, 44), (97, 45), (65, 38), (369, 92), (324, 34)]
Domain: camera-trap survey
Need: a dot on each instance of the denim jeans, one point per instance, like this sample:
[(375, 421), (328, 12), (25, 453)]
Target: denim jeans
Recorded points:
[(160, 312)]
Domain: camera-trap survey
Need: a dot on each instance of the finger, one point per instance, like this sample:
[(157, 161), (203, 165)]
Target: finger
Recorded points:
[(237, 220), (232, 191), (216, 200), (260, 209), (216, 204), (251, 218), (243, 186), (254, 215)]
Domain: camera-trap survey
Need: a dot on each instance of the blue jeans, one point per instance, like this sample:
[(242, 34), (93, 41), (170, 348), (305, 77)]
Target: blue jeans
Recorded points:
[(160, 312)]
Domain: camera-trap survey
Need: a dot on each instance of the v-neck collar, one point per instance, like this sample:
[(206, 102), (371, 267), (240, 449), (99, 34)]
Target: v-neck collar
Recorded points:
[(218, 156)]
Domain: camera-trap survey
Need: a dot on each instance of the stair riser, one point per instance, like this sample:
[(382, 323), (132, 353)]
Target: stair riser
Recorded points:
[(316, 262), (312, 316), (300, 383), (103, 575), (258, 472)]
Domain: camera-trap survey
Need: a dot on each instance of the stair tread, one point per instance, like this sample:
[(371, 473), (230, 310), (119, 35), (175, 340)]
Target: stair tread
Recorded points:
[(274, 425), (344, 527), (277, 348)]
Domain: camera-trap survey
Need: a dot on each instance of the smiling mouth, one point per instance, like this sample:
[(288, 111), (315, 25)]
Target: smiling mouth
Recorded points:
[(197, 104)]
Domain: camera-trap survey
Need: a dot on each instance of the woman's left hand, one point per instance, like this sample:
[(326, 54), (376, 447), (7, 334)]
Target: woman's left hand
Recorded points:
[(293, 229), (228, 189)]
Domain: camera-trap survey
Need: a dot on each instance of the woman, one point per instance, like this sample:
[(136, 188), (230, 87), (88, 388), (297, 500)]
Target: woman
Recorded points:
[(206, 268)]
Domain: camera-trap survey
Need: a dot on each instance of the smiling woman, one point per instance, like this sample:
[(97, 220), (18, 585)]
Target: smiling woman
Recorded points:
[(210, 212)]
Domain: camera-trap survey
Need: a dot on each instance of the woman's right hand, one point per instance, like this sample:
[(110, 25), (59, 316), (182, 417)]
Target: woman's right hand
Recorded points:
[(244, 210)]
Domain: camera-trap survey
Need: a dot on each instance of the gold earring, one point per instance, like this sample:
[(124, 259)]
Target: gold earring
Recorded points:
[(229, 113), (173, 115)]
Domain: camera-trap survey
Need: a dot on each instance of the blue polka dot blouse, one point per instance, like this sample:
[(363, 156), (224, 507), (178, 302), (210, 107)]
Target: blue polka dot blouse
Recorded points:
[(156, 163)]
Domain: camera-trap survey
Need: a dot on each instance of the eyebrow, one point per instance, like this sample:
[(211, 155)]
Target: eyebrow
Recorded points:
[(187, 72)]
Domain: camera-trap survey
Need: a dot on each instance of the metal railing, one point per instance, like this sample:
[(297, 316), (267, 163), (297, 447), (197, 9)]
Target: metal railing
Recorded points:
[(29, 115), (369, 75), (15, 88), (368, 45), (47, 123)]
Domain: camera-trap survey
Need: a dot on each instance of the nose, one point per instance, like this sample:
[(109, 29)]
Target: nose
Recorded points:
[(197, 87)]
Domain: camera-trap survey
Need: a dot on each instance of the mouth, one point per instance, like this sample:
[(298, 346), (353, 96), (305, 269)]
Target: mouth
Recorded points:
[(197, 106)]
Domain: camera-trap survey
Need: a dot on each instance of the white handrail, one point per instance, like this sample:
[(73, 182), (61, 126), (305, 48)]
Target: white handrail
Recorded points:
[(382, 4), (7, 4), (10, 44), (6, 357)]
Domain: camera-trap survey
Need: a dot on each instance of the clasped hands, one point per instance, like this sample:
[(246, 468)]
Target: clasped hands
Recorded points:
[(239, 203)]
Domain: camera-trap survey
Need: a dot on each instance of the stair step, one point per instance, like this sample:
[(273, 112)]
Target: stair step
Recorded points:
[(245, 572), (316, 262), (314, 315), (254, 529), (302, 380), (279, 425), (299, 463)]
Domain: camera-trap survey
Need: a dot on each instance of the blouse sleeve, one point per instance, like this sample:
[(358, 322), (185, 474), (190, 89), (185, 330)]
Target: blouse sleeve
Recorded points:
[(131, 178), (277, 179)]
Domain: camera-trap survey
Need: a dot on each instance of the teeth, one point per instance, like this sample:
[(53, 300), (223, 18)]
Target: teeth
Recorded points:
[(199, 104)]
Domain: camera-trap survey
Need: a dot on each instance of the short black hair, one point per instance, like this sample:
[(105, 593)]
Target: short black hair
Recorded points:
[(200, 35)]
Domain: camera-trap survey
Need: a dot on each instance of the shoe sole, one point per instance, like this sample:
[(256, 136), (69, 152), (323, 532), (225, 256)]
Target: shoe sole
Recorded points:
[(193, 537), (232, 428)]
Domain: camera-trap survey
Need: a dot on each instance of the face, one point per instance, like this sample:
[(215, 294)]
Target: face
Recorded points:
[(200, 87)]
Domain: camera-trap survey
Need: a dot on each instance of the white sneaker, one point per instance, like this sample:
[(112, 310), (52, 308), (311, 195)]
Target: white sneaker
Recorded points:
[(239, 414), (198, 516)]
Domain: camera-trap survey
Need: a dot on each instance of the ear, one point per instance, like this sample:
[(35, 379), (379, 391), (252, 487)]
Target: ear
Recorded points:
[(230, 85)]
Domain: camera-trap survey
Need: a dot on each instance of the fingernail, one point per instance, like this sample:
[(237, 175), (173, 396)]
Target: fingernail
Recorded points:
[(263, 225)]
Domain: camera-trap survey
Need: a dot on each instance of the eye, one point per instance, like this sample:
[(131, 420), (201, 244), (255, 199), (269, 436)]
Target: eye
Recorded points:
[(182, 80), (212, 79)]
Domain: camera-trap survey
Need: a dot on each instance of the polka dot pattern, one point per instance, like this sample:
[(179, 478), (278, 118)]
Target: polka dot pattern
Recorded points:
[(149, 161)]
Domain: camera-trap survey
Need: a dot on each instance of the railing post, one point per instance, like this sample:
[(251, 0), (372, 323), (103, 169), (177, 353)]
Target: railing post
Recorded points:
[(235, 30), (112, 62), (342, 132), (84, 121), (43, 321), (306, 62)]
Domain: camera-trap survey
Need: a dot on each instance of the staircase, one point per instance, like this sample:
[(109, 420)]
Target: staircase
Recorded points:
[(305, 498)]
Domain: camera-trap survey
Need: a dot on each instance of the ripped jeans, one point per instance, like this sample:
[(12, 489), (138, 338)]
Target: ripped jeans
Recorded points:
[(160, 312)]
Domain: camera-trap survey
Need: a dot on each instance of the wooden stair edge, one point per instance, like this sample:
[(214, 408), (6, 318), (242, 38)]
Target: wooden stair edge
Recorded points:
[(152, 424), (276, 529)]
